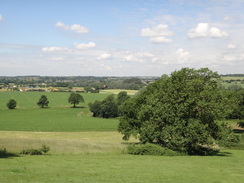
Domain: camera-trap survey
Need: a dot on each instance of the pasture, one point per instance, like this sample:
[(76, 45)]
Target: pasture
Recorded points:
[(57, 117), (112, 168), (87, 149)]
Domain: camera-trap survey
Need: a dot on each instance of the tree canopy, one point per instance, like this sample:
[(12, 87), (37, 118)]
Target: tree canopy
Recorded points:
[(11, 104), (75, 98), (109, 107), (179, 111), (43, 101)]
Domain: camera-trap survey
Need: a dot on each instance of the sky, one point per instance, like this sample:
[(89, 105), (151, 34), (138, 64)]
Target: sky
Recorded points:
[(120, 37)]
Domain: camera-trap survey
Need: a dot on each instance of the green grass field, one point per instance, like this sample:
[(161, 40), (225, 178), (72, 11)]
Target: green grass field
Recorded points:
[(87, 149), (59, 116), (123, 168)]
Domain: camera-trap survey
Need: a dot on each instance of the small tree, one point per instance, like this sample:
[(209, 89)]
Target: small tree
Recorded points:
[(11, 104), (43, 101), (75, 98)]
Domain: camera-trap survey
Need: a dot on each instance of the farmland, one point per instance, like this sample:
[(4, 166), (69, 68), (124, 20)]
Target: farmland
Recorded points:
[(87, 149), (59, 116)]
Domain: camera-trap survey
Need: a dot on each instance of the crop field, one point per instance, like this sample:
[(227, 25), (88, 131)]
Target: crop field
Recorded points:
[(87, 149), (236, 81), (116, 91)]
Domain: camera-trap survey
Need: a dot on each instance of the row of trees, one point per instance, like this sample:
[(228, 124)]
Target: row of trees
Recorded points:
[(110, 106), (76, 81), (74, 98)]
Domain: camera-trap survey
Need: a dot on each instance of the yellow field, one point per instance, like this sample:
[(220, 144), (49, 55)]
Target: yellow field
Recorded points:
[(116, 91)]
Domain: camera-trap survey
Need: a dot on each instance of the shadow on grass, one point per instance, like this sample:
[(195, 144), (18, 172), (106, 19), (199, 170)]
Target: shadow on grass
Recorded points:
[(240, 131), (5, 154), (226, 154), (78, 107)]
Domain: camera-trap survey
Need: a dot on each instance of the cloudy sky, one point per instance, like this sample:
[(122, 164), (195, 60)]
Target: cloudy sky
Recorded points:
[(120, 37)]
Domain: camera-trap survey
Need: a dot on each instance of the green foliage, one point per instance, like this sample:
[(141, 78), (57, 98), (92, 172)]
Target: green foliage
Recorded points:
[(31, 151), (238, 112), (179, 112), (75, 98), (43, 101), (43, 150), (109, 107), (238, 144), (150, 149), (11, 104), (122, 97)]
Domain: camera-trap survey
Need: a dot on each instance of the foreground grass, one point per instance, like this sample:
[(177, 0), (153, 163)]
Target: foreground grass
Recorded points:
[(123, 168), (64, 142)]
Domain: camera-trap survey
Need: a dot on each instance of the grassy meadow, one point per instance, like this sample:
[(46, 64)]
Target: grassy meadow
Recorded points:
[(87, 149), (57, 117)]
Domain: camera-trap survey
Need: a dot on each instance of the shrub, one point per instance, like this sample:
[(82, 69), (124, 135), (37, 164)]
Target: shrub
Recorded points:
[(11, 104), (151, 149), (32, 151), (45, 149)]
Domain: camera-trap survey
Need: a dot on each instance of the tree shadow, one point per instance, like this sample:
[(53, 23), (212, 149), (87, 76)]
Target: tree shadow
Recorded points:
[(237, 130), (225, 154), (78, 107), (5, 154)]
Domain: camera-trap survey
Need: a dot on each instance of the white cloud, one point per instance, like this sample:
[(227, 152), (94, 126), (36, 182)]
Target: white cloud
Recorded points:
[(57, 58), (54, 49), (157, 34), (141, 57), (231, 46), (83, 46), (75, 27), (234, 57), (106, 67), (1, 18), (182, 56), (160, 40), (227, 18), (104, 56), (204, 30)]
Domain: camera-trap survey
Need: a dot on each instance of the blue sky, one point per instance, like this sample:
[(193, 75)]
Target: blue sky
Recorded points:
[(120, 38)]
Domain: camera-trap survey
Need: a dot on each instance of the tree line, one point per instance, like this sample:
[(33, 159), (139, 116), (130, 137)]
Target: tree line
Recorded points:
[(110, 107), (132, 83)]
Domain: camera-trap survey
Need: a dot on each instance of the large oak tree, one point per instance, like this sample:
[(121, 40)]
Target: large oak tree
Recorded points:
[(179, 112)]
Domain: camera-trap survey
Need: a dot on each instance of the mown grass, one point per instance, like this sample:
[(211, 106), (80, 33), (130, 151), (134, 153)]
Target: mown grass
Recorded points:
[(123, 168), (59, 116), (28, 100), (54, 119)]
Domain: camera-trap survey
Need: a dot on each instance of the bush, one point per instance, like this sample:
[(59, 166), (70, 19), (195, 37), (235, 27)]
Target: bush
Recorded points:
[(151, 149), (11, 104), (45, 149), (32, 151)]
